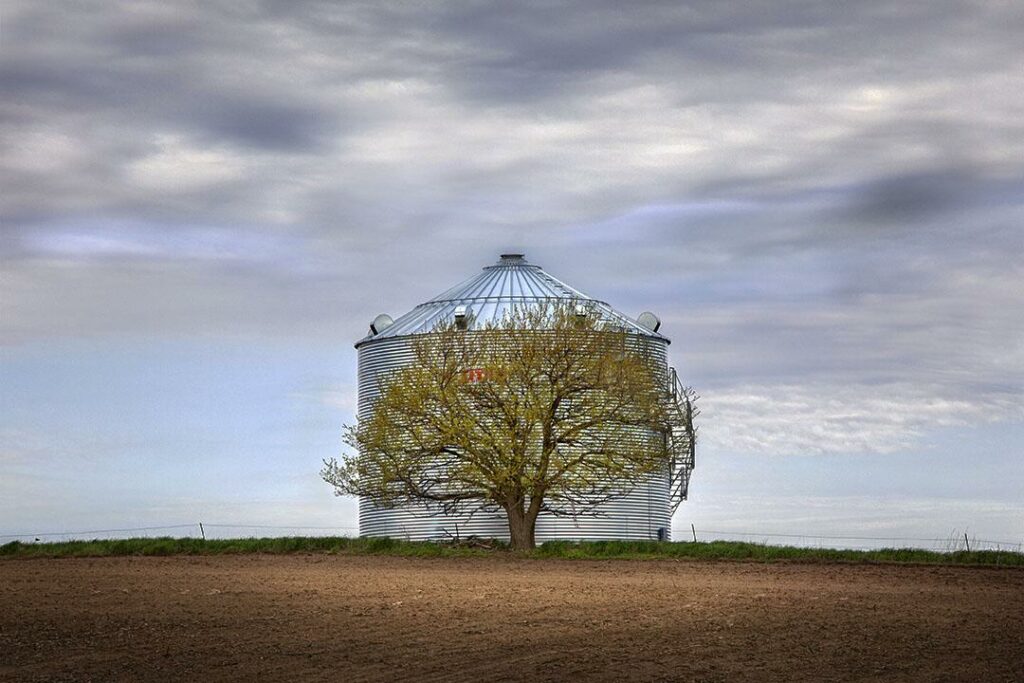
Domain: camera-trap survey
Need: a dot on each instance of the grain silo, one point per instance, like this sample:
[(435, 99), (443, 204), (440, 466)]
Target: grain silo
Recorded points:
[(644, 513)]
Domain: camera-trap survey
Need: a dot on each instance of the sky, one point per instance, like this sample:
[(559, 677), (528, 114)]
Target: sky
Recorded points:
[(203, 205)]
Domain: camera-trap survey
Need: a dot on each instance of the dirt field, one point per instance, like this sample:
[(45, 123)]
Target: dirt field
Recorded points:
[(337, 618)]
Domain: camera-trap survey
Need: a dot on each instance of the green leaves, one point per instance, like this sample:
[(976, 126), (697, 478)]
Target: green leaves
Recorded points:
[(546, 410)]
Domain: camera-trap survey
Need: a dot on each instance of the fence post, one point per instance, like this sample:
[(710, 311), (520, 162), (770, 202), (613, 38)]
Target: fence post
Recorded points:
[(202, 530), (694, 532), (967, 542)]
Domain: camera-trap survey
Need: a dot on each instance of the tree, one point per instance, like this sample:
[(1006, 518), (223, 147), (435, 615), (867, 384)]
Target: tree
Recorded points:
[(545, 411)]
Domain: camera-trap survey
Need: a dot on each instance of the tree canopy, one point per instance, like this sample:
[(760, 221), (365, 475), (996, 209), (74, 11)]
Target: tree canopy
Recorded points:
[(546, 411)]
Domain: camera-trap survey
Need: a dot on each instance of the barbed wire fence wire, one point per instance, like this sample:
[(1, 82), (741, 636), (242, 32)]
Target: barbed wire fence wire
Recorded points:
[(957, 540), (194, 530)]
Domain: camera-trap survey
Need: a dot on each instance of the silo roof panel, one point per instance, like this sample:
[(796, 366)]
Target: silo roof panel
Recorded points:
[(491, 294)]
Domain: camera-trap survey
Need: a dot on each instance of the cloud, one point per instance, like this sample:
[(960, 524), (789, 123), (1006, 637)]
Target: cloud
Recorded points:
[(809, 420), (21, 447), (344, 398), (827, 199)]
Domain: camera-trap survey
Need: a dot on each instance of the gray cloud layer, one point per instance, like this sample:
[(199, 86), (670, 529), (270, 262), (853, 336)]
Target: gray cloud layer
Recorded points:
[(809, 195)]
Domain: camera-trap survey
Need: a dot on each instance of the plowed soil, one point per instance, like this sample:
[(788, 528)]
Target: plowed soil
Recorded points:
[(321, 617)]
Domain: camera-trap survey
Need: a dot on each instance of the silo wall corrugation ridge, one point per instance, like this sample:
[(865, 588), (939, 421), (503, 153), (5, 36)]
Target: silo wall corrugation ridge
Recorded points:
[(636, 516)]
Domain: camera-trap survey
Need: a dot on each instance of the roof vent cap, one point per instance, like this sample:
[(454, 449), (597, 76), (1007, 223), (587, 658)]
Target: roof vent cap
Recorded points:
[(510, 259), (381, 323), (462, 317), (649, 320)]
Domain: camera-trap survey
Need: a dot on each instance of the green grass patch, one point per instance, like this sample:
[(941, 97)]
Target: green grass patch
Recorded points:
[(736, 550), (715, 550), (590, 550), (235, 546)]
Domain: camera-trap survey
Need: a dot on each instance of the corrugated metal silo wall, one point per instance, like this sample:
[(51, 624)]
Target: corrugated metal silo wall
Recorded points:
[(636, 516)]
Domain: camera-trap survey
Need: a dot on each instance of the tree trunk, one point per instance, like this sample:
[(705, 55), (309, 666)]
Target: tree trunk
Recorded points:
[(521, 527)]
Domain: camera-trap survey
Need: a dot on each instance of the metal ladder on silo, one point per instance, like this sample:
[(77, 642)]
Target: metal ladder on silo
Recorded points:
[(681, 438)]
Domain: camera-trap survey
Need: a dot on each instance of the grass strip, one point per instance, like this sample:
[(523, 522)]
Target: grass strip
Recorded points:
[(587, 550)]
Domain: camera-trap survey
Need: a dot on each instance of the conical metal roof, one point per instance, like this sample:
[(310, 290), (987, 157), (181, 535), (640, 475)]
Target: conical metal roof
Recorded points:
[(488, 296)]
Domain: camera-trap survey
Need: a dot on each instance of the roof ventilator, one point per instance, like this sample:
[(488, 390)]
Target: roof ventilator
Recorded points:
[(462, 317), (650, 321), (381, 323)]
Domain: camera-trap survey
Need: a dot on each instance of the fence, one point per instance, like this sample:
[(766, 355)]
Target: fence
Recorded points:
[(957, 540), (195, 530)]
